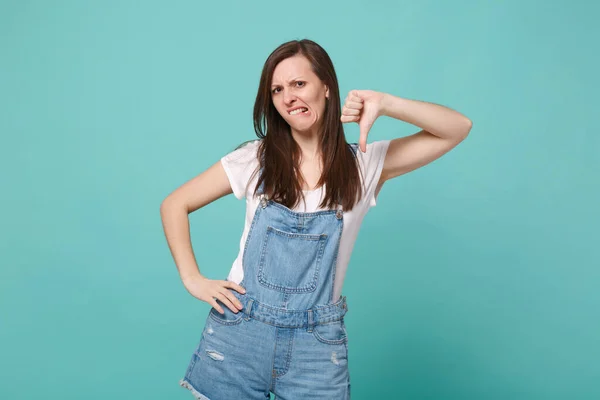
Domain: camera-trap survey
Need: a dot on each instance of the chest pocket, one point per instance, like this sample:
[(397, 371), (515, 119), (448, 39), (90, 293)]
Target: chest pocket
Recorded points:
[(290, 262)]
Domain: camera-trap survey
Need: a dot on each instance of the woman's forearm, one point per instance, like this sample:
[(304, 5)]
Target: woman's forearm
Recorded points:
[(176, 225), (435, 119)]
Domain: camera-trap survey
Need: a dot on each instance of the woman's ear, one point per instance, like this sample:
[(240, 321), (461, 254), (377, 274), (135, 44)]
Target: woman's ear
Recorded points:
[(326, 92)]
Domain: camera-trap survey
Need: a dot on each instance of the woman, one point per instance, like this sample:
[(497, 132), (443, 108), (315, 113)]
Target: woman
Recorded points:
[(277, 322)]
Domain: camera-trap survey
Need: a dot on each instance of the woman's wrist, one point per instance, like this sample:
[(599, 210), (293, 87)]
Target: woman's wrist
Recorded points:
[(389, 103), (192, 277)]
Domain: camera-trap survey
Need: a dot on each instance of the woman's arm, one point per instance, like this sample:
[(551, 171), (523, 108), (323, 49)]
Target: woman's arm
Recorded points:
[(203, 189), (442, 129)]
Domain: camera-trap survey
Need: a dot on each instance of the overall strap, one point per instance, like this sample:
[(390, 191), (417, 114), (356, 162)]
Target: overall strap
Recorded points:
[(340, 208)]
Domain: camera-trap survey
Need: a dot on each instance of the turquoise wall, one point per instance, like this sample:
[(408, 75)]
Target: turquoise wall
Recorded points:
[(474, 277)]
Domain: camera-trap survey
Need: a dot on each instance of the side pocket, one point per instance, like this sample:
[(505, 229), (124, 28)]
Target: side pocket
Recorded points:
[(331, 332), (228, 318)]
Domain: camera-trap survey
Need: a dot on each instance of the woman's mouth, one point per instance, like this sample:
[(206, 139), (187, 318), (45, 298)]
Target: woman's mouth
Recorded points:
[(299, 111)]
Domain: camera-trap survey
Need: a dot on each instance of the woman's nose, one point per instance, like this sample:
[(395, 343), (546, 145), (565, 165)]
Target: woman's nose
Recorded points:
[(288, 97)]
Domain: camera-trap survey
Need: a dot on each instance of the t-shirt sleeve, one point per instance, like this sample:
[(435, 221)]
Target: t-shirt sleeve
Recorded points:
[(239, 166), (371, 163)]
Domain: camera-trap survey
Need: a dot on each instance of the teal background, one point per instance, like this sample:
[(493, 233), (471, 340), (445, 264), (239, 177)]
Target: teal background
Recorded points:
[(475, 277)]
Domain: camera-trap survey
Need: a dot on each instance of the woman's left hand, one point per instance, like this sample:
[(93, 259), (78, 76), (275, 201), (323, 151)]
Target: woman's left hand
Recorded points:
[(363, 107)]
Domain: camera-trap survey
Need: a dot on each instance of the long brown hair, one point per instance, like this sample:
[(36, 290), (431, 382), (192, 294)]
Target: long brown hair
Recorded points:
[(278, 152)]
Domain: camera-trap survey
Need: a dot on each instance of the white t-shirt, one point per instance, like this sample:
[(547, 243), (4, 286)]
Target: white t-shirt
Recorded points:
[(240, 165)]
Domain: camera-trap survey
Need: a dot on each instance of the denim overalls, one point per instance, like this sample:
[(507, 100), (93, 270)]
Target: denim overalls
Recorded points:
[(289, 338)]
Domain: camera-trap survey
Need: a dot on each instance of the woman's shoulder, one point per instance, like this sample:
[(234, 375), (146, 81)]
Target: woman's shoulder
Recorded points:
[(249, 145), (244, 153), (240, 164)]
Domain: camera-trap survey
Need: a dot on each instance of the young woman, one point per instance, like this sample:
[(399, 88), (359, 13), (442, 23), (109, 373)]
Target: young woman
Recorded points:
[(277, 321)]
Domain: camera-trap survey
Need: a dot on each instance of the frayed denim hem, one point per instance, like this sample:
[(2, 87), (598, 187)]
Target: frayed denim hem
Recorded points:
[(197, 394)]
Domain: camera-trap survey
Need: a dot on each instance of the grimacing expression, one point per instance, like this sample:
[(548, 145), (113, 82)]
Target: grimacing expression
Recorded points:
[(298, 94)]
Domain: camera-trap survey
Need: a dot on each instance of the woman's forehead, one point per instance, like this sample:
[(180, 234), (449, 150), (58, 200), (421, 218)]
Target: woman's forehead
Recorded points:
[(292, 68)]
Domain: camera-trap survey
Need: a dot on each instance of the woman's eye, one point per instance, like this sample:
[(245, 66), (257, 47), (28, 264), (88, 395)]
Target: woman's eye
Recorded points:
[(298, 84)]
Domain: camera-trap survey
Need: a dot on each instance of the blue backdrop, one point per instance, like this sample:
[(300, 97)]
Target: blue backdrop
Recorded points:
[(474, 277)]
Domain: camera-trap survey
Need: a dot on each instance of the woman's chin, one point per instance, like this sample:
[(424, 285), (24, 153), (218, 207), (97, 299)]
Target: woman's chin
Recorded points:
[(303, 130)]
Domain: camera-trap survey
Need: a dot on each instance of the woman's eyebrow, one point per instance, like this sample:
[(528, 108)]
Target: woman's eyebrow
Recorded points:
[(290, 81)]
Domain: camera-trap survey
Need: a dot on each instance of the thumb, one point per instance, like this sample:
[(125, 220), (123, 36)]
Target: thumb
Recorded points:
[(364, 126)]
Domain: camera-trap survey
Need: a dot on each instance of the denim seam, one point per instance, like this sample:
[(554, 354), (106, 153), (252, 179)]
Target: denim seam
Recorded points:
[(316, 308), (191, 364), (273, 374), (300, 213), (334, 262), (305, 236), (348, 374), (279, 325), (288, 356)]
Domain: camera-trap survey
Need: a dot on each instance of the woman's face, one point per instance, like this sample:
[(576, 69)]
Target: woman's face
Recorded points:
[(296, 87)]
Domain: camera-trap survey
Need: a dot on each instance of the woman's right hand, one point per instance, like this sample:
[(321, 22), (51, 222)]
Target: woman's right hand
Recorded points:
[(207, 290)]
